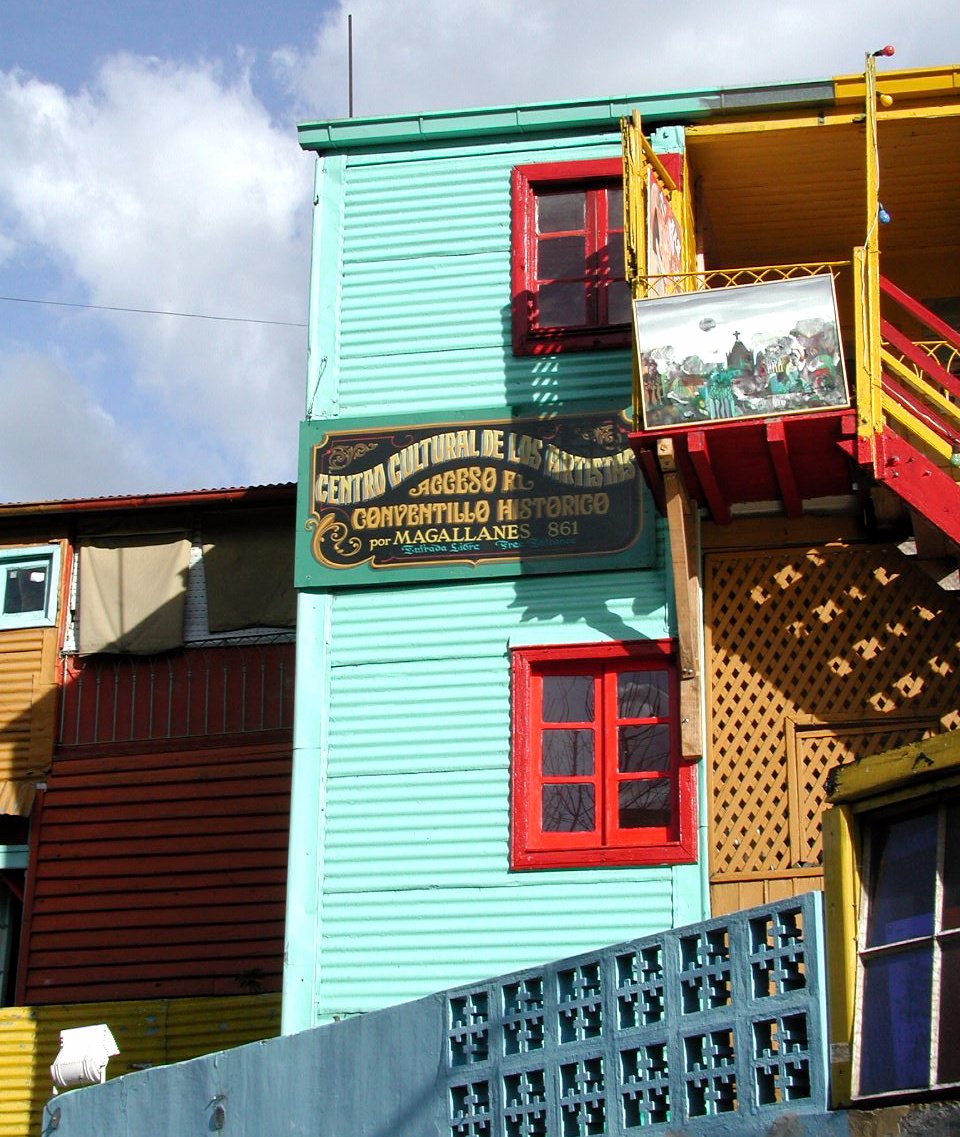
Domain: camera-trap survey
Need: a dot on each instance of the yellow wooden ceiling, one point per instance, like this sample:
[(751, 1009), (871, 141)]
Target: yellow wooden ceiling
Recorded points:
[(792, 191)]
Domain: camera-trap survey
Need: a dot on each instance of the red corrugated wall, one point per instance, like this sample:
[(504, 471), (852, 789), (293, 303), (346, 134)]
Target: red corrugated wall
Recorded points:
[(159, 873)]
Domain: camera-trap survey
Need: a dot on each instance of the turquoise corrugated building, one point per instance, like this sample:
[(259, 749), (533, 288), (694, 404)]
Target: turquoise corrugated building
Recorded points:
[(465, 316)]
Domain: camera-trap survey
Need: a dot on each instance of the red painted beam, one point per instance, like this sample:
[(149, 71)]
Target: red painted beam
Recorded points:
[(919, 312), (922, 485), (647, 461), (783, 467), (703, 467)]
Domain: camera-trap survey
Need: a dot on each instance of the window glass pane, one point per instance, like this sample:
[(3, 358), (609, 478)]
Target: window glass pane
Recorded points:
[(560, 212), (895, 1033), (644, 804), (951, 871), (948, 1062), (567, 698), (642, 694), (561, 305), (567, 809), (25, 589), (643, 749), (615, 209), (614, 251), (903, 857), (567, 753), (618, 303), (561, 258)]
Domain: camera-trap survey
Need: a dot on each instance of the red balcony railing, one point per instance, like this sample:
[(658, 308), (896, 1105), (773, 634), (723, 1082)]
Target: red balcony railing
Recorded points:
[(196, 693)]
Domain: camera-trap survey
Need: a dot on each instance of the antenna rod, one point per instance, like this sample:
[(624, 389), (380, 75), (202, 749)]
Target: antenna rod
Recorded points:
[(350, 64)]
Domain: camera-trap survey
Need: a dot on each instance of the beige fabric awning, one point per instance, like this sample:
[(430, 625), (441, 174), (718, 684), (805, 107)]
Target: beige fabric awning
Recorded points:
[(132, 593)]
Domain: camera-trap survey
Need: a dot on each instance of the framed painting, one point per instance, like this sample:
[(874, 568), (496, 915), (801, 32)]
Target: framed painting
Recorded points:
[(749, 351)]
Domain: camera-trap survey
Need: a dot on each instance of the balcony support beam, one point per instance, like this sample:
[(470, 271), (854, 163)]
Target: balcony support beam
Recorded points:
[(783, 468), (699, 454), (682, 519)]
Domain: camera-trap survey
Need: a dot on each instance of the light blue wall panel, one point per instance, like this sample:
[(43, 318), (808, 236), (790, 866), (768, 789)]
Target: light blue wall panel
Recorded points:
[(414, 890), (426, 287), (419, 940), (474, 619), (417, 892)]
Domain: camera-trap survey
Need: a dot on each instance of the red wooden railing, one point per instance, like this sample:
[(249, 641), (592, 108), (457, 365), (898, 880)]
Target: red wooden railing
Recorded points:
[(195, 693)]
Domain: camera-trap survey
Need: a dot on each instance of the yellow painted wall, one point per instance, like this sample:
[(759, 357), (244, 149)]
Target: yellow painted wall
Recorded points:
[(28, 707), (153, 1032)]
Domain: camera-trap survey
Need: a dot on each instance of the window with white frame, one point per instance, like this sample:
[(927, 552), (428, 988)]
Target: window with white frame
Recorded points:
[(907, 1036), (28, 586)]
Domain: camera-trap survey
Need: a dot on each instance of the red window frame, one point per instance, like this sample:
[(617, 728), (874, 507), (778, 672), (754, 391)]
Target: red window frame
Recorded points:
[(529, 183), (607, 843)]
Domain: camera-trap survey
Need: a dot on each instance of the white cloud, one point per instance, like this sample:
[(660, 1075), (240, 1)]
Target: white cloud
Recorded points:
[(415, 55), (168, 185), (55, 435), (160, 186)]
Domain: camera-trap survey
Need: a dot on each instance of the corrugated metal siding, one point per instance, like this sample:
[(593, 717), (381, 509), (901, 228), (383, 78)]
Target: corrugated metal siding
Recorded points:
[(160, 874), (27, 713), (417, 892), (426, 287), (148, 1033)]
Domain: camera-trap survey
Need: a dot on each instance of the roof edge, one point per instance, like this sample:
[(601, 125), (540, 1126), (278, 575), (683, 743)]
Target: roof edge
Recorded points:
[(553, 117), (261, 495)]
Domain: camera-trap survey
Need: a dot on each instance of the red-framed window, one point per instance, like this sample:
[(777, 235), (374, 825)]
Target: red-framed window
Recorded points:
[(568, 285), (597, 777)]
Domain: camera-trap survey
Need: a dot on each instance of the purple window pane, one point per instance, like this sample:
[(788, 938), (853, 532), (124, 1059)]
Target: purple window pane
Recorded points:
[(567, 698), (560, 212), (566, 753), (643, 749), (618, 303), (951, 870), (561, 258), (614, 251), (903, 854), (644, 804), (567, 809), (948, 1061), (642, 694), (561, 305), (895, 1032)]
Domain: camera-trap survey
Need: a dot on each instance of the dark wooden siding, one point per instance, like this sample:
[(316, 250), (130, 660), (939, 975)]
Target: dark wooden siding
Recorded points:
[(159, 874)]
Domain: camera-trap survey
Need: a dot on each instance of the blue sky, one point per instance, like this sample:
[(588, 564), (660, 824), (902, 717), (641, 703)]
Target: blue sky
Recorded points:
[(148, 159)]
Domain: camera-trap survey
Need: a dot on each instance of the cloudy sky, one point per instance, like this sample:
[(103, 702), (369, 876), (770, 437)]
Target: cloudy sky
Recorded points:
[(149, 161)]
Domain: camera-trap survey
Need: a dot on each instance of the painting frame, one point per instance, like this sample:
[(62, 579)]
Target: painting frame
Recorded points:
[(749, 351)]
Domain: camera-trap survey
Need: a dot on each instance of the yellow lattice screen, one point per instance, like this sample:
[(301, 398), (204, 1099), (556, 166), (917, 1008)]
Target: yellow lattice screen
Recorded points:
[(814, 656)]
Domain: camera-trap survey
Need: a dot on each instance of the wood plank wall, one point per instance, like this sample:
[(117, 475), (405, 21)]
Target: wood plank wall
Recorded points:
[(158, 875), (27, 713)]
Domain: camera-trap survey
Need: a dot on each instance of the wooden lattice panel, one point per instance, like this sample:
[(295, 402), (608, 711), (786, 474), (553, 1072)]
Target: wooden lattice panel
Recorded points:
[(813, 750), (851, 640)]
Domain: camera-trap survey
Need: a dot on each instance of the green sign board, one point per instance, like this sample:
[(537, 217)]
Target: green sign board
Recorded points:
[(380, 502)]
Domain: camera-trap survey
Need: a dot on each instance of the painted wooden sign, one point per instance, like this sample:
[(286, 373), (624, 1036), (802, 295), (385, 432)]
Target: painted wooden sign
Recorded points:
[(495, 496)]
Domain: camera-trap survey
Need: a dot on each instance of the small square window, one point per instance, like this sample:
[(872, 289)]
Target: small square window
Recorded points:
[(597, 776), (28, 593), (569, 291)]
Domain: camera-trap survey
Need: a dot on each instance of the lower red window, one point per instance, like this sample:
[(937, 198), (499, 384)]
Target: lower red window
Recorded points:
[(597, 777)]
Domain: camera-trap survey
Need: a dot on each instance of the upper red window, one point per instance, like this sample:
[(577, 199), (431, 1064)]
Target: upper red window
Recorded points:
[(568, 285), (597, 777)]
